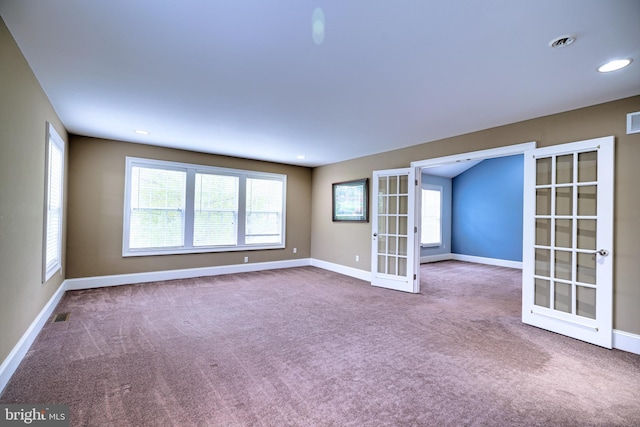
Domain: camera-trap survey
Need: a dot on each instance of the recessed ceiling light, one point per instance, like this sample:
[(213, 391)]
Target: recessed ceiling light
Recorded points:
[(301, 157), (562, 41), (614, 65), (142, 132)]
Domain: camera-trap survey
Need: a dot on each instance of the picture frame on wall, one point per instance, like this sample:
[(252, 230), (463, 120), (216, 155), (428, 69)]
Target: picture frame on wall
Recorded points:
[(351, 201)]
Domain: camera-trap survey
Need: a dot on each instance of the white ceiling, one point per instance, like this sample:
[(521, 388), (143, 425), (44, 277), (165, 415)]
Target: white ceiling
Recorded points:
[(245, 77), (450, 170)]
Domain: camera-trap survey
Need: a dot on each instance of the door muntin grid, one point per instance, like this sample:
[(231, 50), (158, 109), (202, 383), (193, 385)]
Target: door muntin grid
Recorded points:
[(565, 262), (393, 225)]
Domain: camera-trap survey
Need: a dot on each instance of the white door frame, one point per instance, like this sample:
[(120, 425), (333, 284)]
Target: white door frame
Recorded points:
[(509, 150)]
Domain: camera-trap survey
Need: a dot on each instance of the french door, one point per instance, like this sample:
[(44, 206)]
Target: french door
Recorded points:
[(393, 257), (568, 240)]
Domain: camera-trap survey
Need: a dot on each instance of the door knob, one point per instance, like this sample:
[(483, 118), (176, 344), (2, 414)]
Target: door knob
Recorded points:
[(601, 252), (375, 234)]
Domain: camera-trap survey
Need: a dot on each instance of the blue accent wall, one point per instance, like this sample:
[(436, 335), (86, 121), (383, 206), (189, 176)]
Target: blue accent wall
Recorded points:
[(487, 209)]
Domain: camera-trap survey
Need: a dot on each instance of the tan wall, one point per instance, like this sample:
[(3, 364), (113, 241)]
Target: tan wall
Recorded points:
[(24, 111), (96, 198), (340, 242)]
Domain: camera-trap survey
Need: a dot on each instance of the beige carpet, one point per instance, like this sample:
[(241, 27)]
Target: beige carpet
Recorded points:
[(307, 347)]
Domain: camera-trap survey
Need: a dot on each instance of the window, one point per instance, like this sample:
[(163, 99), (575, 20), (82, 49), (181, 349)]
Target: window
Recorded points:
[(431, 233), (183, 208), (53, 202)]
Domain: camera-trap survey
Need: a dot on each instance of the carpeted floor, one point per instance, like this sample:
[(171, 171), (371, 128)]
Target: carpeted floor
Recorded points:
[(307, 347)]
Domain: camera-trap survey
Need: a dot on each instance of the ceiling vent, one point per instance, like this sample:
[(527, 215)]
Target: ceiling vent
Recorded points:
[(633, 123), (562, 41)]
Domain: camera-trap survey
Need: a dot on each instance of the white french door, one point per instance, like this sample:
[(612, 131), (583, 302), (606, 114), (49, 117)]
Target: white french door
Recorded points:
[(568, 240), (393, 251)]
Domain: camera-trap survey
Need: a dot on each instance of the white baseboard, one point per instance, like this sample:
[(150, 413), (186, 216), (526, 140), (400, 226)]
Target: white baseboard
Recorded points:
[(155, 276), (435, 258), (488, 261), (10, 364), (342, 269), (626, 341)]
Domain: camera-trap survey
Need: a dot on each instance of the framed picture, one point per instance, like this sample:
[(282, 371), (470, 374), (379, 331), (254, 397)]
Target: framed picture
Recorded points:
[(351, 201)]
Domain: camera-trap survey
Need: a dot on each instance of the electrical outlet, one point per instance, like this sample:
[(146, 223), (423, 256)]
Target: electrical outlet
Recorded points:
[(357, 258), (295, 250), (246, 259)]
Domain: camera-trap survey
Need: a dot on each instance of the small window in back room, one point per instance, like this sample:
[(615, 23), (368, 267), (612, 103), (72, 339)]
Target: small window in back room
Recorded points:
[(431, 233), (53, 203)]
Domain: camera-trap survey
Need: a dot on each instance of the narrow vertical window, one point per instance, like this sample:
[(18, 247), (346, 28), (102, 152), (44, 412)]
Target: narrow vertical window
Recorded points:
[(54, 198), (431, 234)]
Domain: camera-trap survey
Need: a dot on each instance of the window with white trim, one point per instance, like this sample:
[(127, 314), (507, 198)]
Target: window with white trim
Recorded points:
[(174, 207), (431, 231), (53, 204)]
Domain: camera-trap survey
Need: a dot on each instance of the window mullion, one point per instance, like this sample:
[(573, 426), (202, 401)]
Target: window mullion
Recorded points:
[(189, 208), (242, 210)]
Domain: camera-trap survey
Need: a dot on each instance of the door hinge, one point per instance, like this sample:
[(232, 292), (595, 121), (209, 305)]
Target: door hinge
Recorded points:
[(416, 182), (415, 277), (415, 229)]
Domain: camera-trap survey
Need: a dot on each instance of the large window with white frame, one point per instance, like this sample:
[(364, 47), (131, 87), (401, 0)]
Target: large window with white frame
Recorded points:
[(175, 207), (53, 204), (431, 229)]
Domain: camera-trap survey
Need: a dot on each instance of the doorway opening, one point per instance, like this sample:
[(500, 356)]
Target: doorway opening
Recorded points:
[(474, 225)]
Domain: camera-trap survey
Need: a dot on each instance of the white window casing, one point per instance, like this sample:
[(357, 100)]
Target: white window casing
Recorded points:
[(53, 204), (431, 229), (173, 208)]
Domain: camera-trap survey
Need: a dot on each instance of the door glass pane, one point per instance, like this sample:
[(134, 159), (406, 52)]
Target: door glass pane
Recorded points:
[(393, 205), (564, 233), (382, 224), (404, 184), (562, 297), (587, 200), (586, 302), (402, 246), (586, 268), (587, 234), (564, 169), (391, 265), (382, 204), (392, 245), (393, 225), (382, 264), (588, 166), (543, 201), (543, 171), (393, 185), (382, 244), (402, 266), (542, 293), (382, 185), (403, 207), (543, 232), (402, 225), (564, 201), (543, 265), (563, 265)]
